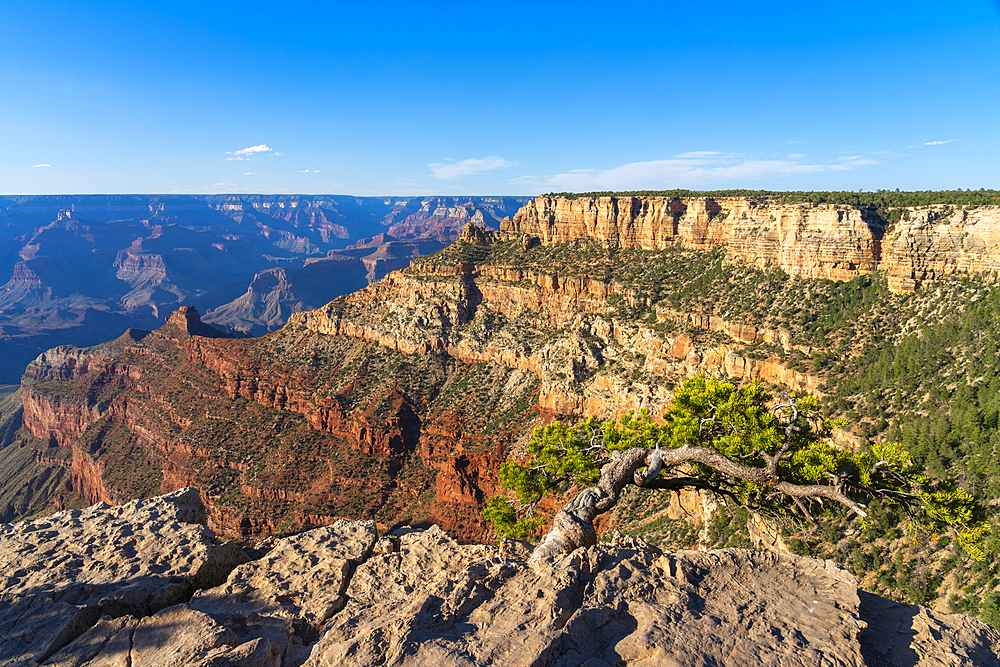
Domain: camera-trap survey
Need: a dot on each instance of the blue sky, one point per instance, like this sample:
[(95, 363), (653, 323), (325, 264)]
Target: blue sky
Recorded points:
[(520, 98)]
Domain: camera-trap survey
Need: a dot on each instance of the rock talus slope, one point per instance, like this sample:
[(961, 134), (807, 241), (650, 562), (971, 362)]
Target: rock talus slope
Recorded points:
[(147, 584)]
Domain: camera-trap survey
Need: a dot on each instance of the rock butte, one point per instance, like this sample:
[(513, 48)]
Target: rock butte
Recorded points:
[(146, 583)]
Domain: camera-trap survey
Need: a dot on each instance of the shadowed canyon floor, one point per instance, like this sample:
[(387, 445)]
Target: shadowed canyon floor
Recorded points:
[(146, 583)]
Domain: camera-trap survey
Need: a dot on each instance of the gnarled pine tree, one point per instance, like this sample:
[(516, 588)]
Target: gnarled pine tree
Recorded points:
[(733, 441)]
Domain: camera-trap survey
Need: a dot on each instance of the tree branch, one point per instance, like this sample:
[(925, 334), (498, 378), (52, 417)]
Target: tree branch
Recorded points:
[(573, 525)]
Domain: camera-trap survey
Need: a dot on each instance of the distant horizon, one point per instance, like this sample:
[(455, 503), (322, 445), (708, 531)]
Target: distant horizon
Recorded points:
[(634, 193)]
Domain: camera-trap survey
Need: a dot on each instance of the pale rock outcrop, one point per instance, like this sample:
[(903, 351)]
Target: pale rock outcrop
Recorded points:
[(61, 573), (931, 246), (626, 603), (287, 595), (806, 240)]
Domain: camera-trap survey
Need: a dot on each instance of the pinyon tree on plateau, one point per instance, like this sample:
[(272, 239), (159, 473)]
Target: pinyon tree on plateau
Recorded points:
[(733, 441)]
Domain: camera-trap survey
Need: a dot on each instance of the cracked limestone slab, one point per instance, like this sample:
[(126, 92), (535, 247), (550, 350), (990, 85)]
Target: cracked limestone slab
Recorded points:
[(624, 604), (60, 574), (293, 589)]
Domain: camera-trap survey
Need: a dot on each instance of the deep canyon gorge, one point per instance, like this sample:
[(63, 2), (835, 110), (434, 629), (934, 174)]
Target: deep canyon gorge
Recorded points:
[(398, 402)]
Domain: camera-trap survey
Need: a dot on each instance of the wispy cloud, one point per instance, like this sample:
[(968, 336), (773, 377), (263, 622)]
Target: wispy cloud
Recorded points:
[(249, 173), (446, 171), (259, 148), (220, 188), (309, 171), (42, 165), (691, 169), (234, 158), (692, 155), (849, 162), (939, 143)]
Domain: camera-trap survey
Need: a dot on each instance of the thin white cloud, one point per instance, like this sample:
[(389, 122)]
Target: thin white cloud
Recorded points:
[(42, 165), (276, 154), (309, 171), (703, 168), (249, 173), (235, 158), (853, 161), (938, 143), (469, 167), (697, 154), (259, 148), (228, 188)]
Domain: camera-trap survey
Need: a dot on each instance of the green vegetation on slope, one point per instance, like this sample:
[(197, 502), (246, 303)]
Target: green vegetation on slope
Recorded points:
[(774, 459)]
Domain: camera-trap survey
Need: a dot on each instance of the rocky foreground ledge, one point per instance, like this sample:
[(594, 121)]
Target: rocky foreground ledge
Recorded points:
[(147, 583)]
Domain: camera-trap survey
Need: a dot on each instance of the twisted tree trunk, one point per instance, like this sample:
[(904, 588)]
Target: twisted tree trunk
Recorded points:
[(573, 525)]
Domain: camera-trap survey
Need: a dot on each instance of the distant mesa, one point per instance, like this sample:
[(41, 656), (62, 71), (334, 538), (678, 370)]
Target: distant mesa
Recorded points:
[(81, 269)]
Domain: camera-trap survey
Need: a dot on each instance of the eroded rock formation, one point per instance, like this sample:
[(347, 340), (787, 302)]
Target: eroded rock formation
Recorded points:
[(805, 240), (147, 584), (84, 268), (276, 440)]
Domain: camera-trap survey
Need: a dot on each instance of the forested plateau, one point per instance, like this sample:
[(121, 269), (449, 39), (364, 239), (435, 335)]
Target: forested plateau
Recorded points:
[(399, 402)]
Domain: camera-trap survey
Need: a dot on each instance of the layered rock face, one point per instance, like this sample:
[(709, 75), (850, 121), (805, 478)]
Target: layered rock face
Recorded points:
[(930, 246), (598, 365), (804, 240), (398, 402), (293, 429), (147, 584)]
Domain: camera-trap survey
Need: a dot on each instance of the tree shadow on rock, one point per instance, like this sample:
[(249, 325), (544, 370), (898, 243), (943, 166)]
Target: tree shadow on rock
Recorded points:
[(886, 642)]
